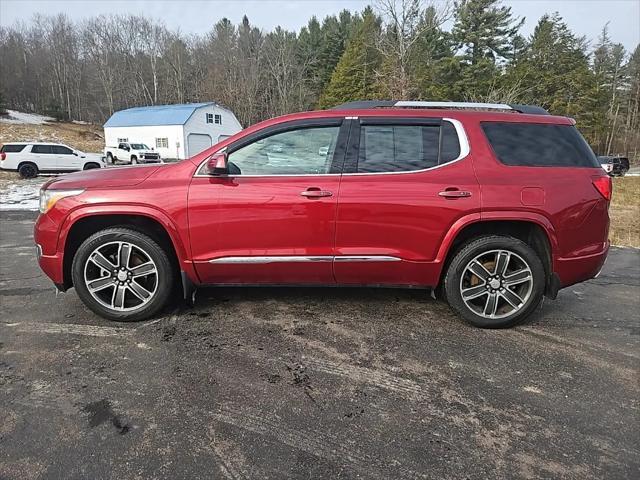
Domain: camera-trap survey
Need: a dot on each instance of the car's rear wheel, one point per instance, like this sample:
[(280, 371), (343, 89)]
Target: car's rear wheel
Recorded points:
[(495, 281), (28, 170), (122, 274)]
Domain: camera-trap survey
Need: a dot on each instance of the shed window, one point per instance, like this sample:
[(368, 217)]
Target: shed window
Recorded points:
[(218, 119), (123, 140), (210, 118), (162, 143)]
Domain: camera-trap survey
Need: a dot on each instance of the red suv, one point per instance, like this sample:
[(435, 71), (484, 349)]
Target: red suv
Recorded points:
[(494, 205)]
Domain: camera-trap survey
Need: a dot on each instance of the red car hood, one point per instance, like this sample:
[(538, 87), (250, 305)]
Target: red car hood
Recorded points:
[(104, 177)]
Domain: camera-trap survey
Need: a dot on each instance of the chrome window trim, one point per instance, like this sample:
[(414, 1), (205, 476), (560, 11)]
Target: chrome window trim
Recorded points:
[(465, 149), (261, 260), (463, 140)]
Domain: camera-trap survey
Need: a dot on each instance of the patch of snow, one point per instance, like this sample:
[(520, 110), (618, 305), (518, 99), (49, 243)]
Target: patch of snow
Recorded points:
[(634, 172), (25, 118), (532, 389), (21, 196)]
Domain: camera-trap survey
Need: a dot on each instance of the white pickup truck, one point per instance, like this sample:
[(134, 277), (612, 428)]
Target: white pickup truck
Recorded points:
[(132, 153)]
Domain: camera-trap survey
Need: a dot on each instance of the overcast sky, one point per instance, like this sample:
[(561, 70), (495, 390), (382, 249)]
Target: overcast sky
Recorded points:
[(585, 17)]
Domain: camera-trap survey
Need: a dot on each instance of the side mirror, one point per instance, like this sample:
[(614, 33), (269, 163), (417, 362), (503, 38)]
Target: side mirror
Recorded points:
[(217, 164)]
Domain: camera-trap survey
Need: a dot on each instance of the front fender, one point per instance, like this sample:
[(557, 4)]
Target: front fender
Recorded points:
[(179, 244)]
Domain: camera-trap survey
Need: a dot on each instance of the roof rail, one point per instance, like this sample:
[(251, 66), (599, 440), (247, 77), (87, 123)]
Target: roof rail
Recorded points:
[(365, 104)]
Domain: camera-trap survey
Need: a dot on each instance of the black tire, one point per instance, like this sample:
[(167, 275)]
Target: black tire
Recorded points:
[(110, 159), (134, 160), (453, 282), (91, 166), (165, 273), (28, 170)]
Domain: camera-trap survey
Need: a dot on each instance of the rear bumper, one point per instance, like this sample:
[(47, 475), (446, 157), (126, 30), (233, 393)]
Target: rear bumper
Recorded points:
[(578, 269)]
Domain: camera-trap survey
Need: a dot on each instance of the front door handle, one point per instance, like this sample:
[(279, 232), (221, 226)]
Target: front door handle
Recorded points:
[(454, 194), (315, 192)]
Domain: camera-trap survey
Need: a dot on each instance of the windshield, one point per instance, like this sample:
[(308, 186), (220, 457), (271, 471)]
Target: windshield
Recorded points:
[(139, 146)]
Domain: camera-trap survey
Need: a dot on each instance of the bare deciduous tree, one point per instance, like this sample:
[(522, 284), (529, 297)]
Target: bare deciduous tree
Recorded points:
[(405, 21)]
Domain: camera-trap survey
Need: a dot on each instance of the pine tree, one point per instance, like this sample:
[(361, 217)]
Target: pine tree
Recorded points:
[(355, 75), (555, 73), (432, 59), (631, 139), (310, 43), (484, 29), (335, 34), (608, 68)]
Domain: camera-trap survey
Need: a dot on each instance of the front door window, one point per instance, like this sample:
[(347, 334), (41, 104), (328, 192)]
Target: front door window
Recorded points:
[(306, 151)]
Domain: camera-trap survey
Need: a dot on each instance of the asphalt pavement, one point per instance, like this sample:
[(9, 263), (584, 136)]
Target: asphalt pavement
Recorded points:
[(316, 383)]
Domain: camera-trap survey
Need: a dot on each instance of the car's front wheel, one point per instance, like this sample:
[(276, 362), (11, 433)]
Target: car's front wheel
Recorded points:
[(134, 161), (122, 274), (495, 281)]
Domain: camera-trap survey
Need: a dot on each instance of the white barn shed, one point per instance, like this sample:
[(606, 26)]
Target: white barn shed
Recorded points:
[(175, 131)]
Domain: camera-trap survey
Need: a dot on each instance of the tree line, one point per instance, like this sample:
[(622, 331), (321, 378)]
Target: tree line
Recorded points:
[(467, 50)]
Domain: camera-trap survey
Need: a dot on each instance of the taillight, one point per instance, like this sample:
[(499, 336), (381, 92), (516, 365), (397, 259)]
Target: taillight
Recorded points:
[(3, 155), (603, 185)]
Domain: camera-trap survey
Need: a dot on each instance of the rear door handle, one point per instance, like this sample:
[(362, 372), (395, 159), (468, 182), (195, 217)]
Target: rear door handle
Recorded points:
[(314, 192), (454, 194)]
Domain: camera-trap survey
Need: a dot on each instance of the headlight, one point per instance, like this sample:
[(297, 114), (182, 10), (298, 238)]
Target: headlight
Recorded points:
[(48, 198)]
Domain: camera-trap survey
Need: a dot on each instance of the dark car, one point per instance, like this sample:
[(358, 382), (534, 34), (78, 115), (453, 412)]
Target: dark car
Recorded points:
[(614, 165), (497, 208)]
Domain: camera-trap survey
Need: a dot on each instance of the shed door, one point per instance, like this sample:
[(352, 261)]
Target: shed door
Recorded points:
[(197, 142)]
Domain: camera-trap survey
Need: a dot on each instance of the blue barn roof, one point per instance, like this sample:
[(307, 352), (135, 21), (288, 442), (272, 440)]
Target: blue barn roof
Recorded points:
[(155, 115)]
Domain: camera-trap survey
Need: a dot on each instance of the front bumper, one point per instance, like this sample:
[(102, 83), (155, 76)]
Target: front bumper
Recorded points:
[(45, 234)]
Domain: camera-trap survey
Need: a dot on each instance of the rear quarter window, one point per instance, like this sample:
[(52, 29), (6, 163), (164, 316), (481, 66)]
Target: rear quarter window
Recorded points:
[(12, 148), (539, 145)]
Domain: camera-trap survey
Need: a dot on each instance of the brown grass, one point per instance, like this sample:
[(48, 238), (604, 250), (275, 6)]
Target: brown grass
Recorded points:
[(88, 138), (625, 212)]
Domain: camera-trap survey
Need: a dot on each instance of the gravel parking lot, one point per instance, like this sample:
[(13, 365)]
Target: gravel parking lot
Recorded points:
[(316, 383)]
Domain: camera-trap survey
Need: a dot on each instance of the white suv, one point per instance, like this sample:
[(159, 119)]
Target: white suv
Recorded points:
[(31, 158)]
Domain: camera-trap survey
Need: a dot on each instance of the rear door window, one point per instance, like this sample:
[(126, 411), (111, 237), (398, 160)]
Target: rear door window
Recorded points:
[(11, 148), (60, 150), (41, 149), (539, 145), (388, 148)]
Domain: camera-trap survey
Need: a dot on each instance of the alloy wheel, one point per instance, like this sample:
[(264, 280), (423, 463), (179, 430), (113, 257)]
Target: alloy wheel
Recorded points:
[(496, 284), (121, 276)]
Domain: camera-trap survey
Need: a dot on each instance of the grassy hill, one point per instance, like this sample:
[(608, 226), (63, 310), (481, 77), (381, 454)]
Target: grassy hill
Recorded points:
[(85, 137)]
